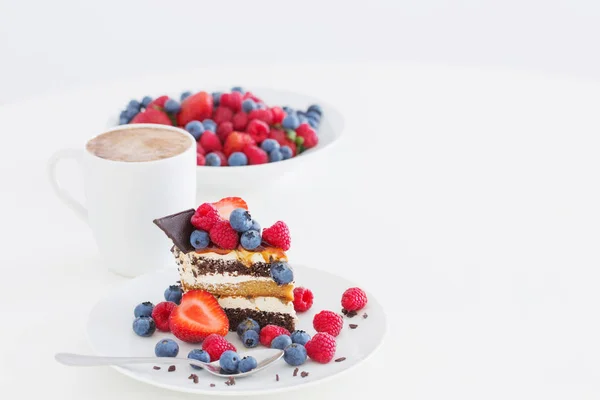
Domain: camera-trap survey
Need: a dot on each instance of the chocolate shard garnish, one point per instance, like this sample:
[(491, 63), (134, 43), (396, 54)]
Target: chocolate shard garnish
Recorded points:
[(277, 377), (212, 385), (295, 371), (172, 368), (365, 315), (340, 359), (304, 374), (178, 227), (353, 326)]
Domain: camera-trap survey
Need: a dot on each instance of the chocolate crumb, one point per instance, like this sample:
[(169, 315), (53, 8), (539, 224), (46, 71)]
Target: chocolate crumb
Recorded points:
[(349, 314), (212, 385), (340, 359), (277, 377), (365, 315), (295, 371), (344, 311), (191, 376), (304, 374), (195, 378), (156, 367), (353, 326), (171, 368), (230, 381)]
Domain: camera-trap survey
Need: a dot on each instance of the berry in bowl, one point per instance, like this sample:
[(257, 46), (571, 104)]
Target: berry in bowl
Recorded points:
[(244, 137)]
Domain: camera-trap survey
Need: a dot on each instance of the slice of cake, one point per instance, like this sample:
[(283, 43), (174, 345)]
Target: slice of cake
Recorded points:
[(220, 249)]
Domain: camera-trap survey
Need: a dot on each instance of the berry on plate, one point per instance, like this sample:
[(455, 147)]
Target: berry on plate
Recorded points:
[(239, 121), (247, 364), (166, 348), (151, 116), (255, 155), (262, 114), (248, 105), (295, 354), (144, 326), (222, 157), (269, 145), (227, 204), (354, 299), (232, 101), (210, 125), (250, 239), (215, 345), (173, 293), (286, 152), (278, 235), (222, 114), (198, 316), (195, 107), (172, 106), (303, 299), (255, 226), (275, 155), (281, 273), (321, 348), (223, 130), (236, 141), (308, 135), (270, 332), (250, 339), (161, 313), (143, 309), (205, 217), (198, 355), (213, 160), (223, 235), (257, 129), (210, 142), (300, 337), (229, 361), (328, 321), (278, 115), (199, 239), (247, 325), (195, 128), (240, 219), (281, 342), (291, 121), (237, 159)]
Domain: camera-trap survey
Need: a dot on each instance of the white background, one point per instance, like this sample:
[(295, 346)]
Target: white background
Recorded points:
[(49, 45)]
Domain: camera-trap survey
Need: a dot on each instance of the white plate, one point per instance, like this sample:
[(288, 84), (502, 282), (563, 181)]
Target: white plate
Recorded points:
[(109, 332)]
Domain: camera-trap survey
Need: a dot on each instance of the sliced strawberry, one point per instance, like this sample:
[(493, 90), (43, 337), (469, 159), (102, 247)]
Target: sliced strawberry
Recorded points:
[(198, 316), (198, 106), (226, 205), (151, 116), (158, 103)]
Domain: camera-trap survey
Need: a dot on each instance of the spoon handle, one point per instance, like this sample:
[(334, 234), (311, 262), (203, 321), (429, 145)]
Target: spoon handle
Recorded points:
[(82, 360)]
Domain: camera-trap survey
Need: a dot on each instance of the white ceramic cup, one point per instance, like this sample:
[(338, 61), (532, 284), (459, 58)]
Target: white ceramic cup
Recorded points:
[(122, 198)]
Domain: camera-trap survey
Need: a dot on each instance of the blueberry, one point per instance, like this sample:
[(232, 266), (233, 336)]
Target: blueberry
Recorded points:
[(269, 144), (237, 159), (247, 364), (229, 361), (313, 124), (144, 326), (185, 95), (295, 354), (275, 155), (314, 115), (199, 239), (250, 339), (195, 128), (300, 337), (216, 98), (281, 273), (123, 120), (172, 106), (286, 152), (198, 355), (146, 100), (134, 105), (210, 125), (143, 309), (173, 293), (249, 105), (288, 110), (302, 119), (238, 89), (261, 106), (213, 160), (250, 239), (130, 113), (316, 108), (166, 348), (281, 342), (290, 121), (240, 220), (255, 226), (247, 325)]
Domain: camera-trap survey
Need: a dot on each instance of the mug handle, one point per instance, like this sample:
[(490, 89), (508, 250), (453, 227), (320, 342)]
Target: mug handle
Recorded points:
[(62, 194)]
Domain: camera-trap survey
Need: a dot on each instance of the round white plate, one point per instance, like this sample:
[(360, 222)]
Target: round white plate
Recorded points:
[(109, 332)]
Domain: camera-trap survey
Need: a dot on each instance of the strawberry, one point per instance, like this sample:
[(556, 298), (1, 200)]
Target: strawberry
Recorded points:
[(308, 134), (270, 332), (205, 217), (226, 205), (161, 313), (303, 299), (210, 142), (240, 120), (255, 155), (328, 321), (222, 157), (354, 299), (223, 130), (278, 235), (200, 149), (258, 130), (151, 116), (158, 103), (197, 316), (278, 115), (321, 348), (222, 114), (223, 235), (232, 101), (198, 106), (262, 114), (200, 160), (215, 345), (236, 141)]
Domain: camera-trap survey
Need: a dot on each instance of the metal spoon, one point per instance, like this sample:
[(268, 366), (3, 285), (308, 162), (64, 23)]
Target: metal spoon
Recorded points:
[(82, 360)]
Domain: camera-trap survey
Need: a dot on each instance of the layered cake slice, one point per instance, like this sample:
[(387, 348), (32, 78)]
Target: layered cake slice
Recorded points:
[(221, 249)]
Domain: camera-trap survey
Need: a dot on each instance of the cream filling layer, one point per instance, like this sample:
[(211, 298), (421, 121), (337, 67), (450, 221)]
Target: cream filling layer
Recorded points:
[(268, 304), (187, 276)]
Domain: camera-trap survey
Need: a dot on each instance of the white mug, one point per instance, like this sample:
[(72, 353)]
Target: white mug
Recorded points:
[(122, 198)]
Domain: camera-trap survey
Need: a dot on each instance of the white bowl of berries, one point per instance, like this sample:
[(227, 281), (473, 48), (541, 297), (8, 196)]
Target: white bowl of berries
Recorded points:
[(244, 137)]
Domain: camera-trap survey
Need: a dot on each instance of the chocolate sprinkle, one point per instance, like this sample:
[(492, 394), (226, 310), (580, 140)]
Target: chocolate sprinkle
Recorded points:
[(230, 381), (340, 359), (349, 314), (191, 376), (365, 315), (304, 374), (212, 385), (195, 378), (296, 371), (277, 377), (353, 326), (171, 368), (156, 367), (178, 227)]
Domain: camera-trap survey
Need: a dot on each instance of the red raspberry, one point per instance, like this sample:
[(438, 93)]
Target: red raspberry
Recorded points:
[(354, 299), (222, 114), (240, 120), (303, 299), (278, 235), (210, 142), (278, 115), (232, 101), (223, 130), (222, 157), (200, 149), (161, 313), (236, 141), (258, 130), (308, 134), (270, 332), (223, 235), (205, 217), (328, 321), (321, 348), (200, 160), (255, 155), (261, 114), (249, 95), (215, 345)]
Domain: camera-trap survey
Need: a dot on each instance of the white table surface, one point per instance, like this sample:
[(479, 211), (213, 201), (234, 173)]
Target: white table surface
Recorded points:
[(466, 200)]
